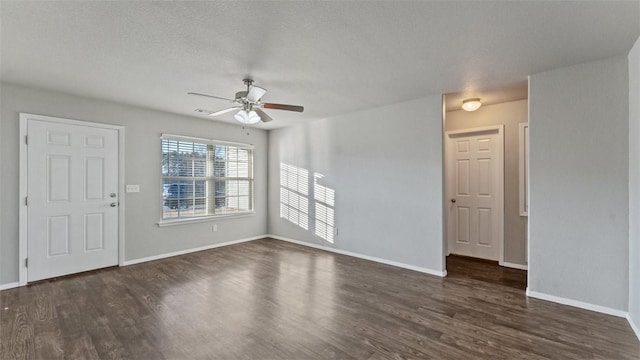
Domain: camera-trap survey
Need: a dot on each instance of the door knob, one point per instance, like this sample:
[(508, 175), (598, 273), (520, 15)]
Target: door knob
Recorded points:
[(113, 205), (453, 201), (112, 195)]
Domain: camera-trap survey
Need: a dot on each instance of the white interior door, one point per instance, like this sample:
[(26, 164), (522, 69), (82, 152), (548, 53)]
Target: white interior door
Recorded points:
[(72, 188), (474, 188)]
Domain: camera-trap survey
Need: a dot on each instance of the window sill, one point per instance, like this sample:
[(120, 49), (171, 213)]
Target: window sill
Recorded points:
[(173, 222)]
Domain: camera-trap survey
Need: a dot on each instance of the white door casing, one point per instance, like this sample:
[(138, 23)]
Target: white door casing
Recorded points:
[(474, 203), (70, 175), (523, 168)]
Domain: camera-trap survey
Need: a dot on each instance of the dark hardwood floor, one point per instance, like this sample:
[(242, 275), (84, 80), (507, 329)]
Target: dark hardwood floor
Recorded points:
[(486, 271), (269, 299)]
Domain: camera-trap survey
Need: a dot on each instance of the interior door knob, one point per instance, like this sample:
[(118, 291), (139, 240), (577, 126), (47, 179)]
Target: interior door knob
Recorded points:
[(113, 205), (453, 201)]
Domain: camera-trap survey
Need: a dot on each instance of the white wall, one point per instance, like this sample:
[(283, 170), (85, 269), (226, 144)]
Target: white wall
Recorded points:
[(509, 114), (634, 185), (142, 166), (385, 165), (578, 212)]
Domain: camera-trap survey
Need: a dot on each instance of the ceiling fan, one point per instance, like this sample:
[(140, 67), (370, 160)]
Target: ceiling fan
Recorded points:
[(248, 104)]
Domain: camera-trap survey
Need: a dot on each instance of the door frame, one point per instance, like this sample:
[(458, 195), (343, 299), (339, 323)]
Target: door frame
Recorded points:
[(499, 129), (22, 211)]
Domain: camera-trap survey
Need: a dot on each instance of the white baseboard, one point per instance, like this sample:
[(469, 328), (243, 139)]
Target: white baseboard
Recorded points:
[(514, 266), (576, 303), (187, 251), (8, 286), (635, 327), (365, 257)]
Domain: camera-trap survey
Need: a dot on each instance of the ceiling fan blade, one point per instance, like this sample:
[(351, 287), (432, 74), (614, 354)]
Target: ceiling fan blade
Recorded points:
[(256, 93), (224, 111), (297, 108), (263, 115), (219, 112), (211, 96)]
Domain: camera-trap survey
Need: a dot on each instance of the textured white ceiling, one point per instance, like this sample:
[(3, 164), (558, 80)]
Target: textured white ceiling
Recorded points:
[(331, 57)]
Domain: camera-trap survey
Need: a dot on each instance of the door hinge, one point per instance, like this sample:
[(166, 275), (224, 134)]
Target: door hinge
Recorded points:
[(26, 201), (26, 262), (26, 139)]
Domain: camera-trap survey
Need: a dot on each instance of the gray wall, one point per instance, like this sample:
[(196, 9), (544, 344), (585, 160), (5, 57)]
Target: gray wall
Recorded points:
[(510, 114), (142, 166), (385, 165), (578, 212), (2, 248), (634, 183)]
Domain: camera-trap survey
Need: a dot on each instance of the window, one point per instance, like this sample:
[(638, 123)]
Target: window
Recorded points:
[(204, 178)]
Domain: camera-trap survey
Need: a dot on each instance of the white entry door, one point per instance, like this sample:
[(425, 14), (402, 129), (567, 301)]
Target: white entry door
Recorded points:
[(474, 189), (72, 203)]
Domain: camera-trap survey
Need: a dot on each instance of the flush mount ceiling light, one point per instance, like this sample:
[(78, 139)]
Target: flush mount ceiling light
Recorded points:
[(247, 117), (471, 104)]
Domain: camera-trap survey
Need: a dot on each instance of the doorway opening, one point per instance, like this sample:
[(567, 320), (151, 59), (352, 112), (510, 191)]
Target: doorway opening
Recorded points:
[(484, 193)]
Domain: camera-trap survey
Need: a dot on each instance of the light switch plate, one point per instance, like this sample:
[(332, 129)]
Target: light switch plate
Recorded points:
[(133, 188)]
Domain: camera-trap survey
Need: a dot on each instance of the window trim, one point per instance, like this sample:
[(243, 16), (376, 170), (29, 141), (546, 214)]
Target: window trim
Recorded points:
[(204, 141), (197, 219), (191, 220)]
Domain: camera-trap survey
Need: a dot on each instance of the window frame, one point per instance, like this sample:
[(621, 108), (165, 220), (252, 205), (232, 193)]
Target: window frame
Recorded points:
[(209, 217)]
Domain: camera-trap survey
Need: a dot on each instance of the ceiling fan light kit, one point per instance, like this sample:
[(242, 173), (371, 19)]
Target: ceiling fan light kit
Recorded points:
[(247, 117), (471, 104), (249, 104)]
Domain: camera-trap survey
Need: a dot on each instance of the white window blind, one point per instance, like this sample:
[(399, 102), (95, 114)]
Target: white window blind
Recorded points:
[(204, 177)]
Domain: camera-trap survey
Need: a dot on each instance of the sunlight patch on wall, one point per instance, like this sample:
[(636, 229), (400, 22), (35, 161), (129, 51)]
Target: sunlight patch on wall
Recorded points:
[(324, 209), (294, 192)]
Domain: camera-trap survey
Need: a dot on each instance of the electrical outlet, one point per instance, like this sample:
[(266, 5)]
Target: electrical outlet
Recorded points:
[(214, 228), (132, 188)]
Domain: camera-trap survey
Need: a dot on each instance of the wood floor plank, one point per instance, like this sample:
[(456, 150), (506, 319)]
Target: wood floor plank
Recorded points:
[(21, 337), (269, 299)]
